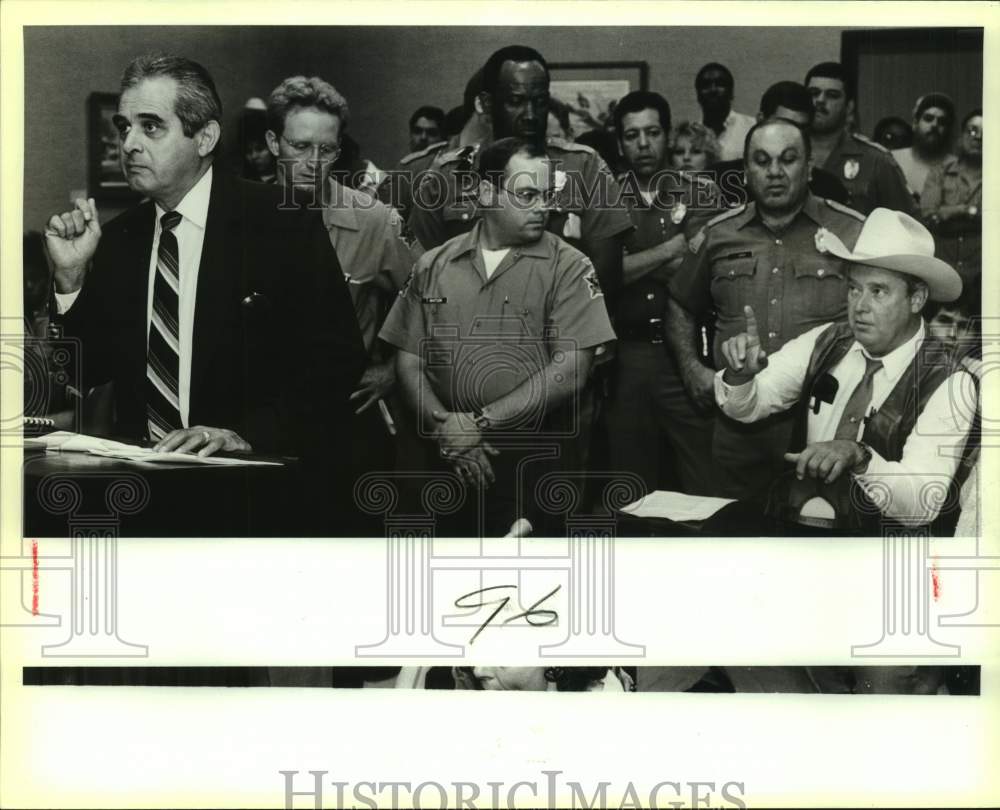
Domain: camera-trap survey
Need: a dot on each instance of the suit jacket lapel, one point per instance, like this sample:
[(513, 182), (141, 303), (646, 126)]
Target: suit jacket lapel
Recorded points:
[(134, 261), (219, 261)]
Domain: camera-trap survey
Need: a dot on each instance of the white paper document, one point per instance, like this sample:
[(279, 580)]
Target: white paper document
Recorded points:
[(676, 506), (67, 442)]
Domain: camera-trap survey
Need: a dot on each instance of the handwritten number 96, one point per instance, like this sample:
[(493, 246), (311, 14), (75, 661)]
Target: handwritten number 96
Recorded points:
[(533, 615)]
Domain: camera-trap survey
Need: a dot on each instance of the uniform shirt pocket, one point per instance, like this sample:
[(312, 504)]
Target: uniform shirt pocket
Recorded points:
[(732, 283), (820, 293)]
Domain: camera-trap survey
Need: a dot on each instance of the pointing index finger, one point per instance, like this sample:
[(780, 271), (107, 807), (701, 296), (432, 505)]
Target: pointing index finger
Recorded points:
[(751, 321)]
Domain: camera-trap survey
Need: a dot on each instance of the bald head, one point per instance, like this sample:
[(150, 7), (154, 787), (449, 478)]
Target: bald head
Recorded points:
[(777, 166)]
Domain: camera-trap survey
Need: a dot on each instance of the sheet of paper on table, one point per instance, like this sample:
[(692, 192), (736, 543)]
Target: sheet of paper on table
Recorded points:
[(66, 442), (676, 506)]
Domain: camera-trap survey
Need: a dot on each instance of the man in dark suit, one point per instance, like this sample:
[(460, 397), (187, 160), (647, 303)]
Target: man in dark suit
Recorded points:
[(217, 307)]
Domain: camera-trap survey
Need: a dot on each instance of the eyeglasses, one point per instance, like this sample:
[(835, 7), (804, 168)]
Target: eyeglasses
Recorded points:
[(530, 196), (974, 132), (328, 151)]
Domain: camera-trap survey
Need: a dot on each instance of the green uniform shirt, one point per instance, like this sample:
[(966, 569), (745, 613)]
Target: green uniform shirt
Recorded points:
[(870, 174), (791, 286), (480, 338)]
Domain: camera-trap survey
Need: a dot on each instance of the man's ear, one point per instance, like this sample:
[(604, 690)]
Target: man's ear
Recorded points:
[(272, 142), (918, 300), (487, 194), (208, 137)]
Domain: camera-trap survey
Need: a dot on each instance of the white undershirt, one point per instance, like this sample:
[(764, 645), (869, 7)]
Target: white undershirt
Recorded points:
[(492, 259)]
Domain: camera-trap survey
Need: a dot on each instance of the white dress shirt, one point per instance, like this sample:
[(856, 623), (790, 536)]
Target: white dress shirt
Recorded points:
[(734, 133), (190, 233), (931, 452)]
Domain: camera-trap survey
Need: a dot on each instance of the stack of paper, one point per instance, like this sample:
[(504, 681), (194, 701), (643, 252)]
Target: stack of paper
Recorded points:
[(66, 442), (676, 506)]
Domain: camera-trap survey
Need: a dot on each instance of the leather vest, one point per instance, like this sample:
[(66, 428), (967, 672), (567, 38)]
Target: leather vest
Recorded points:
[(889, 427)]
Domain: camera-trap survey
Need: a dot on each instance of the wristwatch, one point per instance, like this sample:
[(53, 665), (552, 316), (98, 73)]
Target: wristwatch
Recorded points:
[(866, 457), (481, 420)]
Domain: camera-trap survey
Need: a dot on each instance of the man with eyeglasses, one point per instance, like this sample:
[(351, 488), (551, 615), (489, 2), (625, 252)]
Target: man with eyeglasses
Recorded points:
[(933, 124), (181, 301), (952, 203), (588, 212), (307, 118), (496, 332)]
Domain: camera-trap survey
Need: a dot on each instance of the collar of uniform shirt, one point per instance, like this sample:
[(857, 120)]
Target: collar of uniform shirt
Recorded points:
[(896, 361), (542, 249), (194, 206), (812, 208)]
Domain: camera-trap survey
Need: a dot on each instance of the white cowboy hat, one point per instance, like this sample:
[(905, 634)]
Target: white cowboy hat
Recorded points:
[(896, 241)]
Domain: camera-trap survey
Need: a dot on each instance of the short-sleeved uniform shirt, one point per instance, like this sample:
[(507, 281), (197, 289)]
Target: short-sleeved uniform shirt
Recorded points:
[(683, 203), (958, 241), (482, 337), (588, 206), (790, 284), (871, 176), (367, 237)]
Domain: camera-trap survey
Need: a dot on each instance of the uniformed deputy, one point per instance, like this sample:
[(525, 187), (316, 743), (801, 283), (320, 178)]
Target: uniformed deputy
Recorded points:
[(587, 212), (649, 409), (867, 169), (952, 203), (496, 332), (763, 254)]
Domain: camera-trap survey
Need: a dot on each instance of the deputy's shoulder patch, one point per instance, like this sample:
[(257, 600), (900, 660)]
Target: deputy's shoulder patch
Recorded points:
[(593, 284), (732, 212), (869, 142), (843, 209), (433, 149)]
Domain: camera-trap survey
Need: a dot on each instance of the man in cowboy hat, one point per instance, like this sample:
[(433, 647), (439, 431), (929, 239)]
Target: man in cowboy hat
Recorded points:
[(882, 408)]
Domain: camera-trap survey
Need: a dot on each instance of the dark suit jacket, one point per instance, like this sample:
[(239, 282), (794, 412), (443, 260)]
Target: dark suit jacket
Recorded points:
[(276, 347)]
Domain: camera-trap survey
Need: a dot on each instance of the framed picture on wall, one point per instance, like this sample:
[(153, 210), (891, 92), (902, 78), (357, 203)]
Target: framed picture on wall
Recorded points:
[(105, 178), (584, 94)]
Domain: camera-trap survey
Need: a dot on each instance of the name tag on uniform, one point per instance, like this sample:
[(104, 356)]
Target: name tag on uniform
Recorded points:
[(435, 300), (744, 254)]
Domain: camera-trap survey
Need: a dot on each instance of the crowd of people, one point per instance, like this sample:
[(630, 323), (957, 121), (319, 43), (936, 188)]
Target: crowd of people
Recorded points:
[(773, 308)]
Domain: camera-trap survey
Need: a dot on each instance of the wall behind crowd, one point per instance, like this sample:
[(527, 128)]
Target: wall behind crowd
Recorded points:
[(385, 73)]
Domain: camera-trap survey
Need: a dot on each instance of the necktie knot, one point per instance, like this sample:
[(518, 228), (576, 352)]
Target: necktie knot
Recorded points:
[(872, 366), (170, 220)]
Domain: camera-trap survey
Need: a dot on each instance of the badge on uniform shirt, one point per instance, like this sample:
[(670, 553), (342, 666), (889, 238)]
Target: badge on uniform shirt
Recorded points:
[(851, 168), (820, 240), (677, 213)]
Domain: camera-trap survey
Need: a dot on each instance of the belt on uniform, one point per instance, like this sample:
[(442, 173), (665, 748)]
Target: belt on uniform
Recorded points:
[(651, 332)]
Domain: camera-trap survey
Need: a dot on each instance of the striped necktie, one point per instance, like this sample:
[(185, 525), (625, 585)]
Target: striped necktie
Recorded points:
[(163, 357), (857, 405)]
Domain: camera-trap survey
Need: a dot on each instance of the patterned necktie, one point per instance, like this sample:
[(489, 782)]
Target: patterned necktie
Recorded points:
[(858, 404), (163, 357)]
